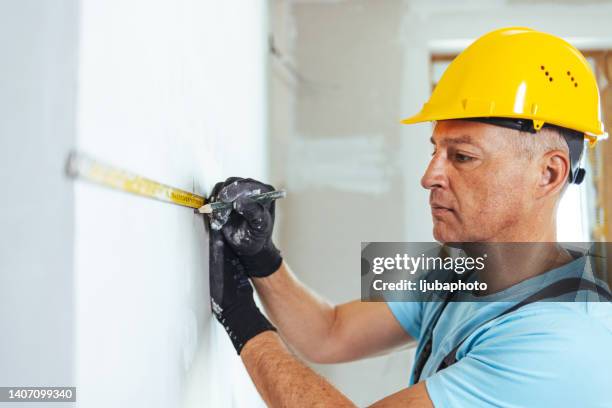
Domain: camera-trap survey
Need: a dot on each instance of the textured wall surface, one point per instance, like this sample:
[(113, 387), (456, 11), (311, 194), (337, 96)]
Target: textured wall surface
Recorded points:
[(335, 106)]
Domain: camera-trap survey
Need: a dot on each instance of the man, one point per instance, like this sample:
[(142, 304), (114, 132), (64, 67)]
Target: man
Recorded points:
[(507, 141)]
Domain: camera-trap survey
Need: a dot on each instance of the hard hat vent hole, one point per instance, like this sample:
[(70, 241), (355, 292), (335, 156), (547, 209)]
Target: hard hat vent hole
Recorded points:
[(543, 68), (569, 74)]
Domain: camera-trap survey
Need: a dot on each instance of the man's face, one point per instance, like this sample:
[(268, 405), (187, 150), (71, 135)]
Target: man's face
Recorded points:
[(480, 188)]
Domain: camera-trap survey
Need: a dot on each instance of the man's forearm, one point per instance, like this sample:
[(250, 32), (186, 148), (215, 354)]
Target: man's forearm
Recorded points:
[(303, 319), (323, 333), (284, 381)]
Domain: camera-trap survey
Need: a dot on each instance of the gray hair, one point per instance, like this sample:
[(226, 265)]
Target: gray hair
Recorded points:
[(545, 140), (551, 138)]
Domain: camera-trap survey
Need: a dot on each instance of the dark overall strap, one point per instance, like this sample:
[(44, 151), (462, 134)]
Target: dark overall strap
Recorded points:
[(426, 350), (561, 287)]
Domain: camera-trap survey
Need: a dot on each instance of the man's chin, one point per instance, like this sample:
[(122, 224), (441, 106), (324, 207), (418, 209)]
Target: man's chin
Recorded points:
[(443, 234)]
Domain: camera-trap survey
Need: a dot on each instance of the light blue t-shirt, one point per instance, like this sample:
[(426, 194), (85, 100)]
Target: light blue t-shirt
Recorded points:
[(556, 354)]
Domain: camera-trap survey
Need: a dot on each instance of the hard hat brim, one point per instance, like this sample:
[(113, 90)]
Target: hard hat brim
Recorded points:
[(592, 136)]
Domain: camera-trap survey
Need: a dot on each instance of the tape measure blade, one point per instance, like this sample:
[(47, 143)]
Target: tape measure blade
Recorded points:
[(86, 168)]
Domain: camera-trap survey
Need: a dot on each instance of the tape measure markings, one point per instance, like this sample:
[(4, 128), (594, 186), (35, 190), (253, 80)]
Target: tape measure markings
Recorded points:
[(86, 168)]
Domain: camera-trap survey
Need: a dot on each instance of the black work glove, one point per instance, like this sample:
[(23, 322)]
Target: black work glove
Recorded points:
[(248, 227), (231, 294)]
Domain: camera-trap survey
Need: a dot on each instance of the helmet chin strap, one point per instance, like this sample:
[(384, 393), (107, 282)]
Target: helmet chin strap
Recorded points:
[(574, 140)]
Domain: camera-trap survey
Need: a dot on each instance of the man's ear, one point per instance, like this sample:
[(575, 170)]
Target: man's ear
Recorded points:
[(554, 171)]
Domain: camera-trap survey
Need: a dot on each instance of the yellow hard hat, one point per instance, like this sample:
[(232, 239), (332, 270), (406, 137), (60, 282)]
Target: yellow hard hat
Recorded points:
[(519, 73)]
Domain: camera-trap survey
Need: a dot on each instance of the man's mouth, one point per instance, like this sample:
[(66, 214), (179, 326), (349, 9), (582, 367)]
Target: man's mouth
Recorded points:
[(440, 210)]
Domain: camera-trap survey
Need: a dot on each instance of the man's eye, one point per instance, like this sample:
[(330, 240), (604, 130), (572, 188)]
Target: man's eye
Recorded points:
[(463, 158)]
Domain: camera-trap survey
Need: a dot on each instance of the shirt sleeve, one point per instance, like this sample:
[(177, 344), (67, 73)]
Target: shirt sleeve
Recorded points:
[(409, 315), (530, 360)]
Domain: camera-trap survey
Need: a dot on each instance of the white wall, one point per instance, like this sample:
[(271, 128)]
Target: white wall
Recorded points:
[(174, 90), (38, 44), (100, 289)]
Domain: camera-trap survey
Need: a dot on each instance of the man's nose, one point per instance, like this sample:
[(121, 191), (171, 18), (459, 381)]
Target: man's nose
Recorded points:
[(435, 175)]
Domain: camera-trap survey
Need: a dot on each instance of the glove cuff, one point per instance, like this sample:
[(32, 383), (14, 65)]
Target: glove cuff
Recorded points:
[(243, 322), (264, 263)]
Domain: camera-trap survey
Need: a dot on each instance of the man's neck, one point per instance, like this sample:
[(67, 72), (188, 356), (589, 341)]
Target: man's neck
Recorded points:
[(508, 264), (520, 254)]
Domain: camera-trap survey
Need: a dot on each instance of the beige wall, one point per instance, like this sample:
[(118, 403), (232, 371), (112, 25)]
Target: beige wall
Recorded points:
[(335, 111)]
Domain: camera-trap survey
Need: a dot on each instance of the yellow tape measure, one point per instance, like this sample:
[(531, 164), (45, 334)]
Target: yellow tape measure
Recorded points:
[(86, 168)]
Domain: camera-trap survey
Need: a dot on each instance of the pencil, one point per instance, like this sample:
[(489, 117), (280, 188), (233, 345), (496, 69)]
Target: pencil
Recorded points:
[(220, 205)]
